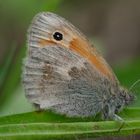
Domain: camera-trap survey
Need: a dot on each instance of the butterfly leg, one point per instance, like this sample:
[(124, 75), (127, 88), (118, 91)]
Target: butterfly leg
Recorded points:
[(108, 113), (119, 120)]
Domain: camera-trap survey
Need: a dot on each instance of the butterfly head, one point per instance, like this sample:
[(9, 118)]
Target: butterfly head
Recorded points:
[(126, 95)]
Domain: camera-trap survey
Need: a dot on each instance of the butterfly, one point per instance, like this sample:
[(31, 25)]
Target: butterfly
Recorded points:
[(64, 72)]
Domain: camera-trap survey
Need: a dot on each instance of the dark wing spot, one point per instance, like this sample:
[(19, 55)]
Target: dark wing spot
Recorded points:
[(74, 72)]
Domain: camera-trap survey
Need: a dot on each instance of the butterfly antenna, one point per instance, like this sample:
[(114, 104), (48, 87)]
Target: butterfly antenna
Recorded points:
[(133, 85)]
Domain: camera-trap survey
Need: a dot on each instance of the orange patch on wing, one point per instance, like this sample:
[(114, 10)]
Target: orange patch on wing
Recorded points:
[(44, 42), (82, 47)]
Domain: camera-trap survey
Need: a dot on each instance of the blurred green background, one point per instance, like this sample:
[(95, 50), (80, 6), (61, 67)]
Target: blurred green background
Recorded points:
[(112, 26)]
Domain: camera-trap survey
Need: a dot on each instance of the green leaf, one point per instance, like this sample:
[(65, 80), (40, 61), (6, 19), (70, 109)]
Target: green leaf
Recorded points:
[(47, 125)]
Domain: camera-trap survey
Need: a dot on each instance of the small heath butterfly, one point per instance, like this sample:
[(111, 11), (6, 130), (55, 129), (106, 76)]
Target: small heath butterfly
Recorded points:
[(63, 72)]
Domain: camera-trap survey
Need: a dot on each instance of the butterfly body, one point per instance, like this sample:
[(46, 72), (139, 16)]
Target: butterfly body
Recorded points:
[(64, 73)]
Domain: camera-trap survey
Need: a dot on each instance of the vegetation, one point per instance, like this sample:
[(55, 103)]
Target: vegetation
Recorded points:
[(15, 123)]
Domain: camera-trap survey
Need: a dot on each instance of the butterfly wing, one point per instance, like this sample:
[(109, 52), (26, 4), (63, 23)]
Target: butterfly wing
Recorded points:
[(67, 76)]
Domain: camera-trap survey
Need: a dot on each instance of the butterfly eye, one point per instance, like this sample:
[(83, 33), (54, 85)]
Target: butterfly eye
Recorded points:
[(58, 36)]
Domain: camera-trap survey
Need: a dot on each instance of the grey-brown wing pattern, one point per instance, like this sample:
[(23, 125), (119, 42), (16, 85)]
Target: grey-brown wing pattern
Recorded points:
[(58, 78)]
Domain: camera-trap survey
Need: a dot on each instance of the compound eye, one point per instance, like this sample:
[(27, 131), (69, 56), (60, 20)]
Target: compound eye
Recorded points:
[(58, 36)]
